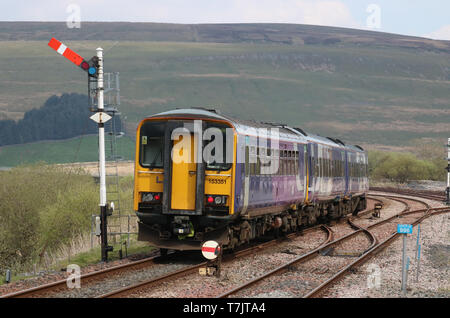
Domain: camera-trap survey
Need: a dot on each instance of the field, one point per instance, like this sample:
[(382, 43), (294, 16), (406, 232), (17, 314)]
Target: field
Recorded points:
[(80, 149), (363, 87)]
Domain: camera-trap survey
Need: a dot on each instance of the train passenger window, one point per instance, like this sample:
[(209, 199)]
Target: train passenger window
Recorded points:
[(258, 163), (320, 165), (329, 167), (316, 168)]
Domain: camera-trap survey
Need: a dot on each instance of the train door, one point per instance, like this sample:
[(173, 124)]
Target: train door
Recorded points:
[(184, 168), (184, 171)]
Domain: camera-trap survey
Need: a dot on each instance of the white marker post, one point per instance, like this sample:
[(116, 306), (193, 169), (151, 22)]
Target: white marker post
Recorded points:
[(212, 251)]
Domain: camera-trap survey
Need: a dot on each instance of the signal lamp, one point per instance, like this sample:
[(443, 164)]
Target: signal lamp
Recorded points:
[(210, 199), (84, 65), (92, 68)]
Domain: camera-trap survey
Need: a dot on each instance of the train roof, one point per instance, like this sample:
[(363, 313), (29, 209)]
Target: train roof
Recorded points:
[(244, 126)]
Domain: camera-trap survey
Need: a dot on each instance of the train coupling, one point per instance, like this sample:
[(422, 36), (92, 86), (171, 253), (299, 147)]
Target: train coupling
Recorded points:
[(181, 225)]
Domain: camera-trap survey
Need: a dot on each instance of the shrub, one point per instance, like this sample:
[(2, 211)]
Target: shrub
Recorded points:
[(402, 167), (41, 208)]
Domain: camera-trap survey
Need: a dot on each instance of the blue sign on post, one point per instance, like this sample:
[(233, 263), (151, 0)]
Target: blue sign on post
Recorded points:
[(404, 228)]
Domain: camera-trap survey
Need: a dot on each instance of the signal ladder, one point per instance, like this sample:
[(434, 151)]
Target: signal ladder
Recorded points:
[(118, 223)]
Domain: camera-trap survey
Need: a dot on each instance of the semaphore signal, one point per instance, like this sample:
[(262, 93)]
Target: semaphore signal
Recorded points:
[(94, 68), (91, 66)]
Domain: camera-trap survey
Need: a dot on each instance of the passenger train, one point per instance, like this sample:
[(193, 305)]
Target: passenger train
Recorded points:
[(201, 175)]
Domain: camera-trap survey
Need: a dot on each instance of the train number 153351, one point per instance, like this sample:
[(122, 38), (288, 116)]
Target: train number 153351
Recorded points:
[(217, 181)]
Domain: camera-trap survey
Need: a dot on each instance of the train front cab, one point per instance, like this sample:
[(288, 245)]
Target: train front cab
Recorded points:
[(179, 199)]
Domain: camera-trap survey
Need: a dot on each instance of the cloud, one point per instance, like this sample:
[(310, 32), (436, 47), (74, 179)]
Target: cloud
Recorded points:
[(442, 33)]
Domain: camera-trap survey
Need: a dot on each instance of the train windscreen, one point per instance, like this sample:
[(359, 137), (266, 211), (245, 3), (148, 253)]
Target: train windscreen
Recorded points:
[(152, 145)]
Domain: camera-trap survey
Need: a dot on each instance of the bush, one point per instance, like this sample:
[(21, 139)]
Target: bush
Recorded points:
[(402, 167), (41, 208)]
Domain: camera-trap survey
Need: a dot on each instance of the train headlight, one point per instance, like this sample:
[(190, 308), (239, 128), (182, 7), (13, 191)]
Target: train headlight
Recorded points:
[(216, 200), (151, 197), (147, 197)]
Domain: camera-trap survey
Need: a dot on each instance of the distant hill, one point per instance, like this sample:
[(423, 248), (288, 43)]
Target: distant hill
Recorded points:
[(363, 87), (275, 33)]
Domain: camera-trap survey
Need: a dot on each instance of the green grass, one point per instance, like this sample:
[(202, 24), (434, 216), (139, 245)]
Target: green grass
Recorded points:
[(80, 149), (94, 256)]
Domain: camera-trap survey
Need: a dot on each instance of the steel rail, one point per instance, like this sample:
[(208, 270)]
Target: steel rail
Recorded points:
[(62, 284), (191, 269), (370, 253)]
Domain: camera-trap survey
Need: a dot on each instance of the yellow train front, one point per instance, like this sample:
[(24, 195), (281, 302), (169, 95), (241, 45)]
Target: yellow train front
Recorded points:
[(201, 175), (182, 201)]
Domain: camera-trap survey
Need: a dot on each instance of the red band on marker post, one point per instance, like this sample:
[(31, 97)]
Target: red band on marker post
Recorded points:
[(209, 249)]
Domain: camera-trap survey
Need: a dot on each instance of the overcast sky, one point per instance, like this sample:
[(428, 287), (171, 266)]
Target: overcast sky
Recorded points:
[(428, 18)]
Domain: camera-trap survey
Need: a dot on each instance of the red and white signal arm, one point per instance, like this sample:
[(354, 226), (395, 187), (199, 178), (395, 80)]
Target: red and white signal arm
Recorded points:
[(90, 67), (210, 249), (65, 51)]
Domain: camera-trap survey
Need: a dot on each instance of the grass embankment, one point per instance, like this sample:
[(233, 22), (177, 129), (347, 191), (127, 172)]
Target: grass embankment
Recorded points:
[(45, 212)]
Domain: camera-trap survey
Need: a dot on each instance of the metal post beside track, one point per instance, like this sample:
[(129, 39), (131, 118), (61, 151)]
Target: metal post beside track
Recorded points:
[(404, 229)]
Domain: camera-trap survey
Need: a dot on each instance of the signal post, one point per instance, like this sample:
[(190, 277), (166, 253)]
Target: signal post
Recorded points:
[(94, 68)]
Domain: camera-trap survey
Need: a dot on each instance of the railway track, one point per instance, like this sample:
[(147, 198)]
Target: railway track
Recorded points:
[(431, 195), (53, 288), (60, 286), (193, 269), (123, 292), (374, 248)]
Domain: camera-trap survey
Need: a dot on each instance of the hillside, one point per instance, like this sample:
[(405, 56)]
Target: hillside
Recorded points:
[(364, 87)]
